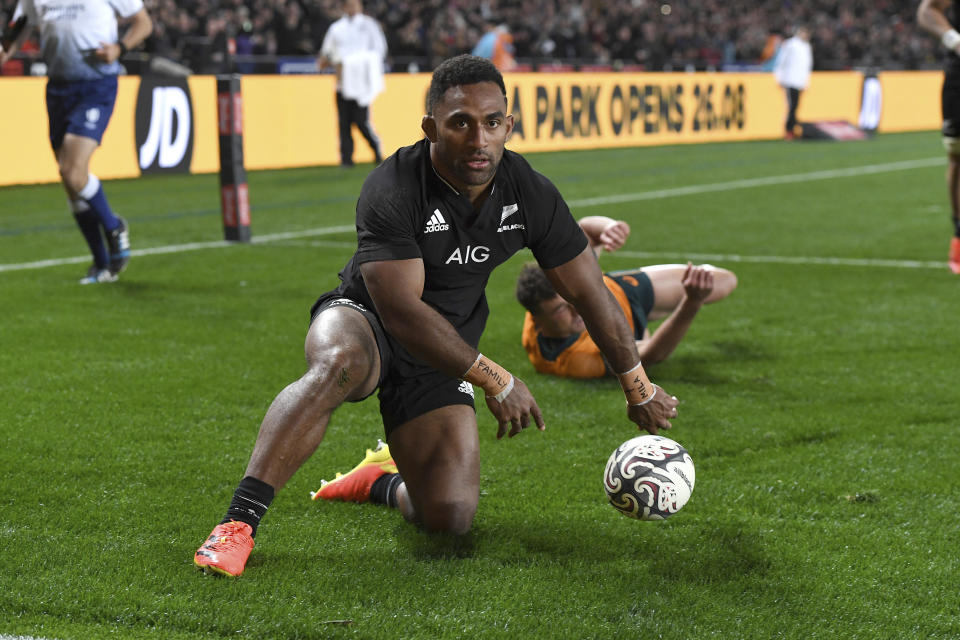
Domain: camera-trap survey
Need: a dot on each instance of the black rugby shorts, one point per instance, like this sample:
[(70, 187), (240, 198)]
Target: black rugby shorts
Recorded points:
[(402, 397), (639, 291), (950, 106)]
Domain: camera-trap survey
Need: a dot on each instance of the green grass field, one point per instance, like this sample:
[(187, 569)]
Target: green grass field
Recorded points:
[(819, 403)]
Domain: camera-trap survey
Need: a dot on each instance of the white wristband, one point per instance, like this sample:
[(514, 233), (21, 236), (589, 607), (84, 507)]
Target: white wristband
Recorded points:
[(631, 370), (500, 397), (950, 39)]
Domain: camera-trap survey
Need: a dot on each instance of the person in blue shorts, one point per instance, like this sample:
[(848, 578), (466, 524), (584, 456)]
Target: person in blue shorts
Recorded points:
[(80, 45)]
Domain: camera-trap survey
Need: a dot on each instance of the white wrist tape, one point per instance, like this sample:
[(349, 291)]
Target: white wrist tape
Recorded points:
[(639, 404), (950, 39), (500, 397), (637, 386)]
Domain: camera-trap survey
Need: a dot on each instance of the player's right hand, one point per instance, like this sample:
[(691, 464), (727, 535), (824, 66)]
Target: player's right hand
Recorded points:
[(514, 414), (656, 414)]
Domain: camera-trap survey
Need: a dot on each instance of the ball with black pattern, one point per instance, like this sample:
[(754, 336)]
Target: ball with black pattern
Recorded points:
[(649, 477)]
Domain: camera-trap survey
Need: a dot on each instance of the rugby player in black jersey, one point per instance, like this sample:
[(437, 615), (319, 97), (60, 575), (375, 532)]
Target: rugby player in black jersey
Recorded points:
[(433, 220), (942, 18)]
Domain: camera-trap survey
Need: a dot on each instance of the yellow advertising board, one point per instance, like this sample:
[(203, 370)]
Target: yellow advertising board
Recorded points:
[(911, 100), (170, 125)]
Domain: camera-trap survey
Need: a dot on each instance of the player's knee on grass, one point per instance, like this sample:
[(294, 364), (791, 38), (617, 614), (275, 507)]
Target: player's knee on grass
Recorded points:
[(447, 516)]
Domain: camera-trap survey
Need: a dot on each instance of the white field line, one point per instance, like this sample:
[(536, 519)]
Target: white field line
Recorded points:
[(747, 183), (593, 202), (732, 257), (180, 248)]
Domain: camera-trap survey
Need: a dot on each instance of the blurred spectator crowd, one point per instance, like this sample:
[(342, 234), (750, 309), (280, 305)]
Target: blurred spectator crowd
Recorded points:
[(654, 35)]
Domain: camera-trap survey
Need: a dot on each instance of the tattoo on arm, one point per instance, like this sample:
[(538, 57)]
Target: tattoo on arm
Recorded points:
[(343, 378)]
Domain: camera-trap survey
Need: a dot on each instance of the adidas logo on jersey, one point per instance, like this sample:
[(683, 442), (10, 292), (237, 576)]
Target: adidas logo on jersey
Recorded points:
[(436, 223), (465, 387)]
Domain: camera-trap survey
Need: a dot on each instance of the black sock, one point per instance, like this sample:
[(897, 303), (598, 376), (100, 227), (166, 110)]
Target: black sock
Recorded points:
[(956, 227), (250, 502), (384, 489)]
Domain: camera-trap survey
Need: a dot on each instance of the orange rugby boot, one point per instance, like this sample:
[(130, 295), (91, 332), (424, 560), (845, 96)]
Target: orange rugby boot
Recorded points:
[(954, 260), (226, 550), (354, 486)]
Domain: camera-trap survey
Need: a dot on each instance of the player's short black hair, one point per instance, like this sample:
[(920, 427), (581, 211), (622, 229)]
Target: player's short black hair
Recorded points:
[(461, 70), (533, 287)]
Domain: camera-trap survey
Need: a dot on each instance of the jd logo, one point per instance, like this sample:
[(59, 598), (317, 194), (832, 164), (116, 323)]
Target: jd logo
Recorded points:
[(164, 125), (479, 253)]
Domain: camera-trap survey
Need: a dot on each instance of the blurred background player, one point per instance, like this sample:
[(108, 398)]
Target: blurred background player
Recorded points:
[(80, 47), (496, 45), (554, 335), (940, 17), (356, 47), (792, 70)]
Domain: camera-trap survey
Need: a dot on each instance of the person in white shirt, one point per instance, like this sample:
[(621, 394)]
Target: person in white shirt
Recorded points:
[(792, 71), (80, 45), (356, 47)]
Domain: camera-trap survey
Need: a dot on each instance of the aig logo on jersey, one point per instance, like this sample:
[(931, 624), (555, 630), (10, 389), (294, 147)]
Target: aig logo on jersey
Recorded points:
[(469, 254), (164, 130), (436, 223)]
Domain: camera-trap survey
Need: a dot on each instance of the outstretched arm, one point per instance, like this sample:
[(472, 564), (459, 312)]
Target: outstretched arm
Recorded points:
[(697, 286), (580, 282), (396, 287)]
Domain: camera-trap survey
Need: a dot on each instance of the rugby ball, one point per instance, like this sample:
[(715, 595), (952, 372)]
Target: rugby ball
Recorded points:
[(649, 477)]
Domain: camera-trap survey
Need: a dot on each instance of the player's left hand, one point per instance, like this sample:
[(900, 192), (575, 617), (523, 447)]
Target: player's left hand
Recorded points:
[(697, 282), (614, 235), (108, 52), (656, 414), (517, 411)]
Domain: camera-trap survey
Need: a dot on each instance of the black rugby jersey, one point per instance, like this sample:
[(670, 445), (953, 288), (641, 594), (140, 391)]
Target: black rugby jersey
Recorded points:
[(407, 211), (951, 64)]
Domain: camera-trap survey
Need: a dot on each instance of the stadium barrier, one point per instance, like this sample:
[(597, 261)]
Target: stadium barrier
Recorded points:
[(165, 124)]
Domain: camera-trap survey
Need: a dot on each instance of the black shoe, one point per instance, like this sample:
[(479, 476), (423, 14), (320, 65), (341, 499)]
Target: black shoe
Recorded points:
[(118, 242), (96, 275)]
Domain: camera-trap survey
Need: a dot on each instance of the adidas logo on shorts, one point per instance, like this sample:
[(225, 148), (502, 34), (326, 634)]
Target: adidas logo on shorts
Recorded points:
[(436, 222), (465, 387)]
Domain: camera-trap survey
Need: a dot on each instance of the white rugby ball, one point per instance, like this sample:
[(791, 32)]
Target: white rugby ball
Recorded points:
[(649, 477)]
